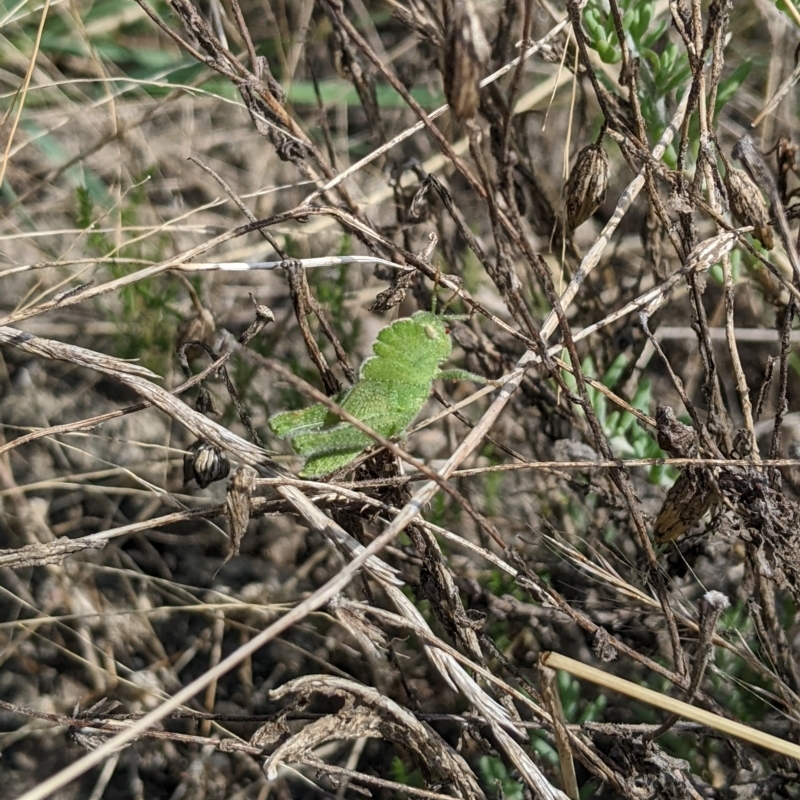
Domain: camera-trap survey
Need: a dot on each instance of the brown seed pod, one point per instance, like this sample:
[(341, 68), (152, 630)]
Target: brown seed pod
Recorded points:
[(748, 206), (587, 184), (205, 463), (238, 502), (786, 152), (672, 435), (466, 54), (686, 502)]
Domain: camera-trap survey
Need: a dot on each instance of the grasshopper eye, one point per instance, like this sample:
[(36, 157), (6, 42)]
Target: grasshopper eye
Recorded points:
[(430, 332)]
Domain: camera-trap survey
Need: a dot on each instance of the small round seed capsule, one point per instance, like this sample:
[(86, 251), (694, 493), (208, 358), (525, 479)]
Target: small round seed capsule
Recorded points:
[(205, 463)]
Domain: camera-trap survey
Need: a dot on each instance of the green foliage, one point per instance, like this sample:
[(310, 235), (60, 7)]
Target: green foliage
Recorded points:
[(400, 773), (789, 8), (637, 21), (393, 386), (626, 437), (744, 690), (499, 582), (730, 85), (494, 772), (339, 92), (439, 508), (574, 710), (146, 321), (794, 363), (142, 65), (546, 751), (716, 273), (98, 243), (663, 65)]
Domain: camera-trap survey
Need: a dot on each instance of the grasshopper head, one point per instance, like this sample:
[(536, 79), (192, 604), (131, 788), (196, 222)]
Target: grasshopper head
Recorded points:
[(436, 324)]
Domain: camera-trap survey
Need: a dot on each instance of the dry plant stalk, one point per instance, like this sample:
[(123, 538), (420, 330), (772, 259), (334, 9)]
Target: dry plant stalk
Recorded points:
[(368, 713), (552, 699), (662, 701)]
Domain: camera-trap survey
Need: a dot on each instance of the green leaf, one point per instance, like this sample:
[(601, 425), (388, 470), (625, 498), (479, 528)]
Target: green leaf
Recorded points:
[(784, 8), (641, 21), (594, 25), (339, 92), (730, 85), (652, 36), (609, 52)]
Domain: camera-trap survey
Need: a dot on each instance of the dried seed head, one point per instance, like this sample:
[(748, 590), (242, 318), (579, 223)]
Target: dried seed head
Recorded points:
[(370, 637), (205, 463), (198, 328), (587, 184), (238, 502), (786, 153), (90, 737), (748, 206), (704, 255), (686, 502), (673, 436), (466, 54), (395, 294), (91, 727)]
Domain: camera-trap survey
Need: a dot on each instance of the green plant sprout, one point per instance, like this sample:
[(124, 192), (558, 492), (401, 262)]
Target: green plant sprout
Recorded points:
[(662, 67), (392, 387)]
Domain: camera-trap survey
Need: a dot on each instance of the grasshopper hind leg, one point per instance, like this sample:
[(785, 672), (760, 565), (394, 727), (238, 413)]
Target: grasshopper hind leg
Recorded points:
[(317, 466)]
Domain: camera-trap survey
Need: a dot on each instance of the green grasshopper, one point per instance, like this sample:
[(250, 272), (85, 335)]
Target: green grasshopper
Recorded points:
[(392, 387)]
